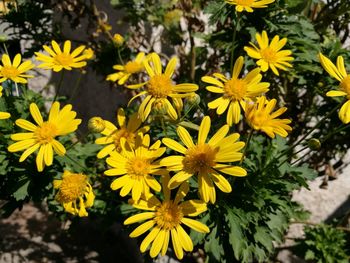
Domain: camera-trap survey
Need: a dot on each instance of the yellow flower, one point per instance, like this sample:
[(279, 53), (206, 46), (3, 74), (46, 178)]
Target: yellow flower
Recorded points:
[(118, 39), (62, 59), (339, 72), (112, 134), (235, 91), (42, 136), (260, 117), (248, 5), (75, 193), (165, 220), (207, 160), (172, 18), (88, 53), (136, 167), (124, 72), (14, 70), (160, 87), (270, 55), (3, 115)]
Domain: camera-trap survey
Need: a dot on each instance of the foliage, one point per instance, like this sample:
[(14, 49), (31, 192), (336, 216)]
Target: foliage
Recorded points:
[(323, 243)]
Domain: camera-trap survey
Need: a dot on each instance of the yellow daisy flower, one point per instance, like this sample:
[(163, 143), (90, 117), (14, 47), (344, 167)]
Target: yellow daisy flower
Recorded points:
[(260, 117), (112, 134), (339, 72), (15, 70), (235, 91), (160, 87), (207, 160), (62, 59), (42, 135), (136, 167), (248, 5), (166, 219), (124, 72), (75, 193), (3, 115), (118, 39), (270, 55)]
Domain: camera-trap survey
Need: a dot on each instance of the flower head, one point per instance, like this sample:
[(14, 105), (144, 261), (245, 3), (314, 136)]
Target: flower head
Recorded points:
[(3, 115), (260, 117), (248, 5), (235, 91), (160, 87), (15, 70), (112, 135), (339, 72), (136, 167), (207, 160), (125, 71), (118, 39), (63, 59), (270, 55), (42, 135), (165, 220), (75, 193)]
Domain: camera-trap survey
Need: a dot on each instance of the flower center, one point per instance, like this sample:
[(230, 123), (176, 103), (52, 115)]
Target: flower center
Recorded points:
[(245, 2), (345, 85), (160, 86), (269, 54), (64, 59), (123, 133), (199, 159), (10, 72), (168, 215), (258, 118), (133, 67), (72, 187), (46, 133), (138, 167), (235, 89)]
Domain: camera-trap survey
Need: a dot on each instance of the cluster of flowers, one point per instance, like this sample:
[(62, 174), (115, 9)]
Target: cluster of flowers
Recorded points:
[(136, 161)]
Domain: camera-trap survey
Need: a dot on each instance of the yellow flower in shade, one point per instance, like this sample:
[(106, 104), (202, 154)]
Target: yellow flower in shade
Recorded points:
[(112, 135), (3, 115), (160, 87), (339, 72), (74, 193), (249, 5), (260, 117), (63, 59), (270, 55), (136, 167), (15, 70), (118, 39), (42, 135), (235, 91), (124, 72), (207, 160), (165, 220)]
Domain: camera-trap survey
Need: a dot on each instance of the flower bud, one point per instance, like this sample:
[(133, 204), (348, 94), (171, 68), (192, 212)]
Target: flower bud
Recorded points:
[(118, 40), (194, 99), (314, 144), (96, 124)]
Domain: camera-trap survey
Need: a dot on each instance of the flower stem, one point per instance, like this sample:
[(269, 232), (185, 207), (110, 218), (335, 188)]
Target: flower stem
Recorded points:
[(59, 85), (247, 145), (119, 56), (76, 88), (235, 27)]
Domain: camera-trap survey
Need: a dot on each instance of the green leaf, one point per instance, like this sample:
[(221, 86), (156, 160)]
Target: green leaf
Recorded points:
[(212, 244), (22, 192)]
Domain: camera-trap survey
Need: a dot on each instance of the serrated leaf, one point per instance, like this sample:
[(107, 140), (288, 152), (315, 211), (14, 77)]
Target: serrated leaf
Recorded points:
[(262, 236), (22, 192), (212, 244)]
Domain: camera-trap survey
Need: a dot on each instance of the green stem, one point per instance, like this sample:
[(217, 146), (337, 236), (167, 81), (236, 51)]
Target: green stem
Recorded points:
[(235, 27), (5, 48), (247, 145), (73, 160), (76, 88), (119, 56), (309, 132), (59, 85), (17, 90)]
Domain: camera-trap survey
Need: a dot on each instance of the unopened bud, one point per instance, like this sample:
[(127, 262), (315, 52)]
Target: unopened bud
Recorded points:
[(118, 40), (314, 144), (194, 99), (3, 38), (96, 124)]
